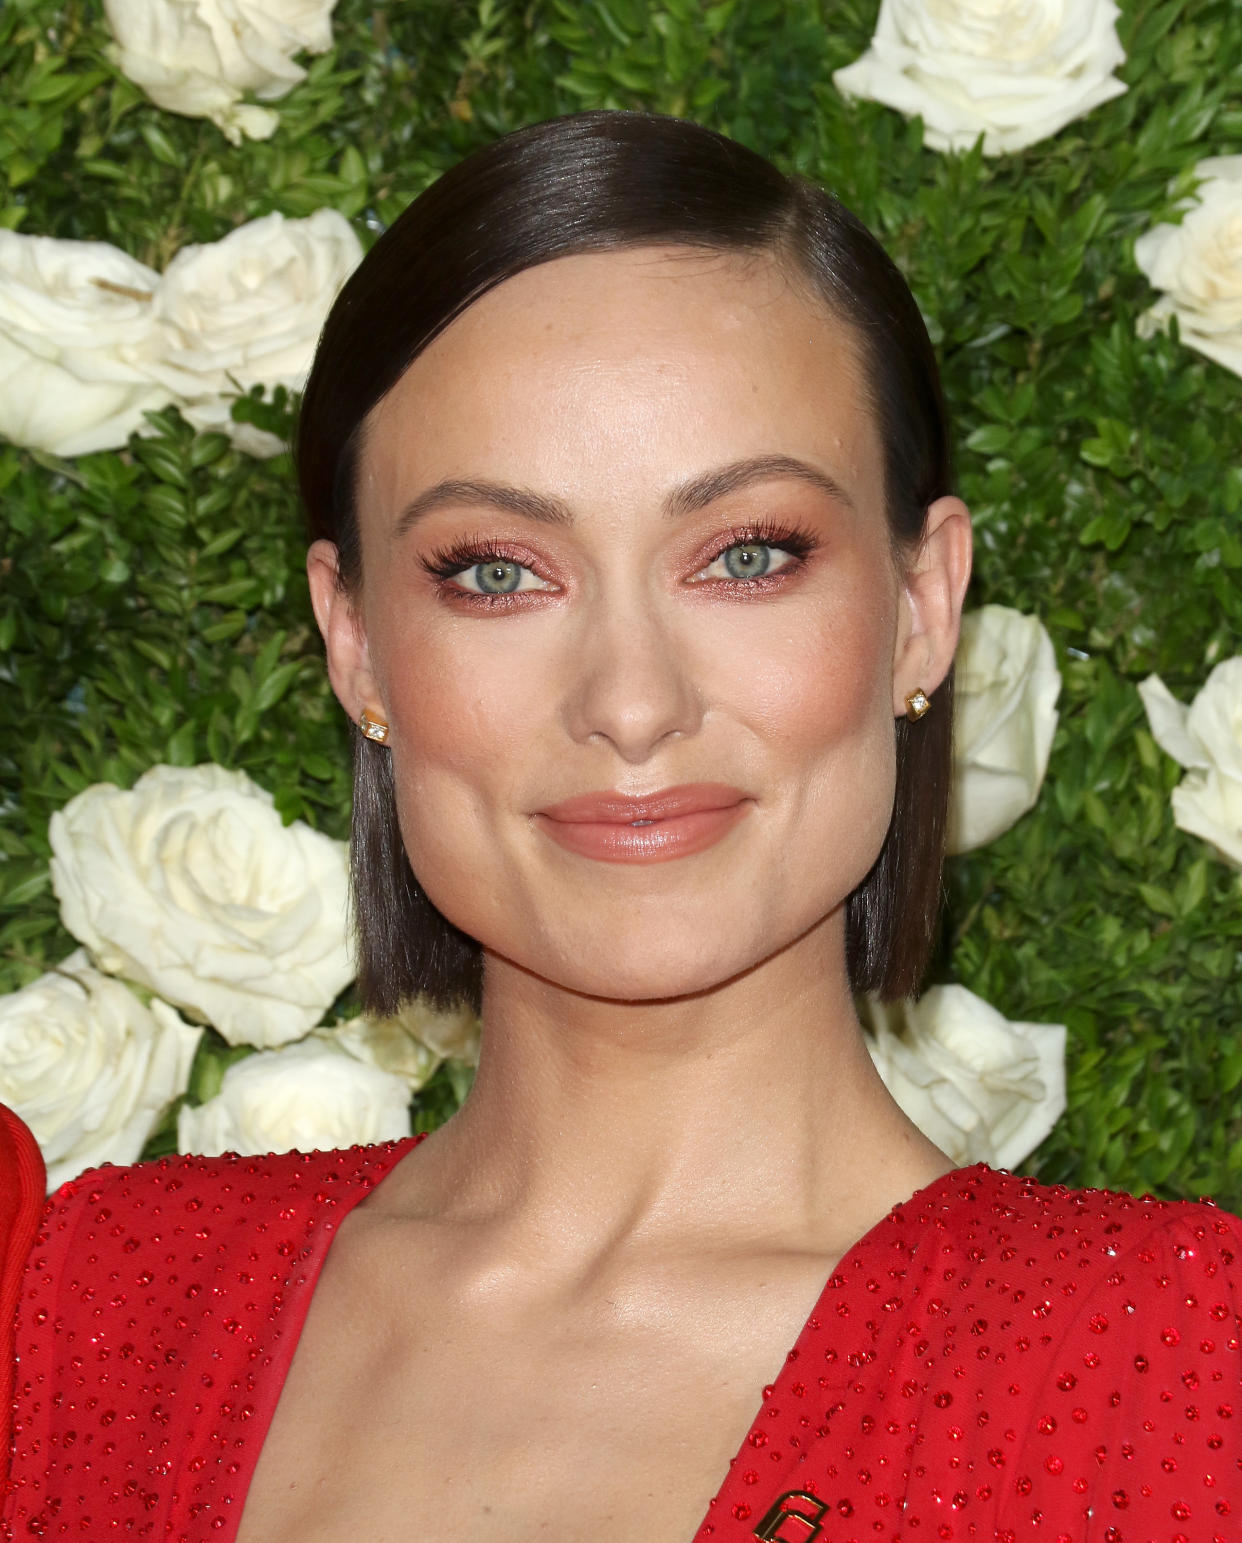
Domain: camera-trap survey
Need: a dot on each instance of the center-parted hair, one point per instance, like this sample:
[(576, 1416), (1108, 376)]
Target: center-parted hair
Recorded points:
[(594, 182)]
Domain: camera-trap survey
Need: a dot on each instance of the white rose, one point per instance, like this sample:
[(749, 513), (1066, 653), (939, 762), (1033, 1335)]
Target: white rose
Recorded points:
[(190, 884), (1205, 738), (413, 1043), (307, 1097), (1006, 688), (1199, 266), (983, 1089), (197, 57), (77, 341), (88, 1067), (1014, 70), (248, 311)]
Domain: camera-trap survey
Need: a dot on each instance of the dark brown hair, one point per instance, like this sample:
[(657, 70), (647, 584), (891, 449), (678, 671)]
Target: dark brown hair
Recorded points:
[(592, 182)]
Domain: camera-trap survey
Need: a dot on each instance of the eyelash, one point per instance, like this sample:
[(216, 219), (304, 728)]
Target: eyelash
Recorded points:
[(445, 563)]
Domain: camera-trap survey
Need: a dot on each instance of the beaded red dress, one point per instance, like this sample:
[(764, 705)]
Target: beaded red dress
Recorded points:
[(998, 1360)]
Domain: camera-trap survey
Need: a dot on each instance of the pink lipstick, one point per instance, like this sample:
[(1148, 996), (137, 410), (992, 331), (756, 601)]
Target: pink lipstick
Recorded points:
[(621, 828)]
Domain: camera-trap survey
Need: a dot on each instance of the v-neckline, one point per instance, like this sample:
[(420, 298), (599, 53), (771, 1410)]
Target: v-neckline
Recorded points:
[(715, 1521), (719, 1522)]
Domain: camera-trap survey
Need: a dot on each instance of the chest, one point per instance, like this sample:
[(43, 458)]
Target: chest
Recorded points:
[(590, 1418), (520, 1449)]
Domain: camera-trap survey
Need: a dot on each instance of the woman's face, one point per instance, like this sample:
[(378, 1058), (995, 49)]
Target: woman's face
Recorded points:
[(623, 531)]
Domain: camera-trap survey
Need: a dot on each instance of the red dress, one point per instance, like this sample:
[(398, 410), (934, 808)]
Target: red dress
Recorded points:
[(998, 1359)]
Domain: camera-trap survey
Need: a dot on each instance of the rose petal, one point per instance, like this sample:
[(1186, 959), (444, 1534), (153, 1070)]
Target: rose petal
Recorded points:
[(1209, 805), (1007, 685), (247, 311), (88, 1067), (981, 1088), (190, 884), (1198, 265), (307, 1097), (1015, 73), (1168, 718), (200, 59), (78, 344)]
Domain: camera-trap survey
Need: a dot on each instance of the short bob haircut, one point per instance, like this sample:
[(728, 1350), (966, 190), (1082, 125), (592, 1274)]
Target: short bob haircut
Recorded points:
[(591, 182)]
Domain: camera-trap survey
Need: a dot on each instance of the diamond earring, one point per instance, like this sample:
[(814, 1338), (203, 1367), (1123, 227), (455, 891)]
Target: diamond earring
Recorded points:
[(372, 728), (917, 704)]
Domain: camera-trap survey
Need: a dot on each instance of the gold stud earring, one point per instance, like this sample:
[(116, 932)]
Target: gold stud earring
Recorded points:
[(917, 704), (372, 728)]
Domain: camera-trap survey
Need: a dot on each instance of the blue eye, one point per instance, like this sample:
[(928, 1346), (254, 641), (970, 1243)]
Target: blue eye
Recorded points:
[(747, 560), (476, 568), (498, 576), (744, 562)]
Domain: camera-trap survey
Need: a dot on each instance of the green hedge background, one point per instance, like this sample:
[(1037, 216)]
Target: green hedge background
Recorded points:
[(153, 605)]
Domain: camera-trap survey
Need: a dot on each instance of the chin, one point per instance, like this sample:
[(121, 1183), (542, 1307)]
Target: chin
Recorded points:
[(636, 964), (642, 980)]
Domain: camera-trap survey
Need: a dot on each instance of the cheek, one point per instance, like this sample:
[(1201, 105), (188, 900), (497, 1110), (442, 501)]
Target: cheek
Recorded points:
[(812, 689), (465, 714), (823, 711), (815, 678), (459, 693)]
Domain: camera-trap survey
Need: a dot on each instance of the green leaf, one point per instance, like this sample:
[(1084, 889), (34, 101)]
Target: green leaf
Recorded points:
[(1157, 899), (274, 686), (207, 449), (21, 883), (991, 439), (225, 541), (159, 144), (182, 744), (157, 654), (227, 627)]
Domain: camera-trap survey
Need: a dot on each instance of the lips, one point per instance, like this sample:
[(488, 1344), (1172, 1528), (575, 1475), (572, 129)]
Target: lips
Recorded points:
[(625, 808), (621, 827)]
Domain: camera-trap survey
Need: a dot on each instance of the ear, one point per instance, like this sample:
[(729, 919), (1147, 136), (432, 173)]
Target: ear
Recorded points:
[(349, 659), (934, 588)]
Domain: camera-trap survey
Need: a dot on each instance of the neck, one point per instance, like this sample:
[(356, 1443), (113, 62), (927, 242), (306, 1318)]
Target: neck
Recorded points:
[(748, 1112)]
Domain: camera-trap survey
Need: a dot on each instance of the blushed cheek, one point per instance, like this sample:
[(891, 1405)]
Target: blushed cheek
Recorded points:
[(821, 704), (461, 696), (464, 721)]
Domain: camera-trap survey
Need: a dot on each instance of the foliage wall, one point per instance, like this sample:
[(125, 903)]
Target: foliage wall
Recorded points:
[(153, 605)]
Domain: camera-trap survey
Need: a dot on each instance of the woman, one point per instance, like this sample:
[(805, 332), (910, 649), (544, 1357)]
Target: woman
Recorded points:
[(638, 566)]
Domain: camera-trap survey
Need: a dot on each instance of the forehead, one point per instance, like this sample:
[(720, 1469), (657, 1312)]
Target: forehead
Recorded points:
[(647, 364)]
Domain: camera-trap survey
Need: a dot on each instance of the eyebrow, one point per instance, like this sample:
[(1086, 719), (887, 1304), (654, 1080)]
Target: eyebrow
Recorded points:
[(686, 498)]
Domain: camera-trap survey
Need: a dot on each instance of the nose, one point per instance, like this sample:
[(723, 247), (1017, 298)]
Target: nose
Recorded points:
[(632, 683)]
